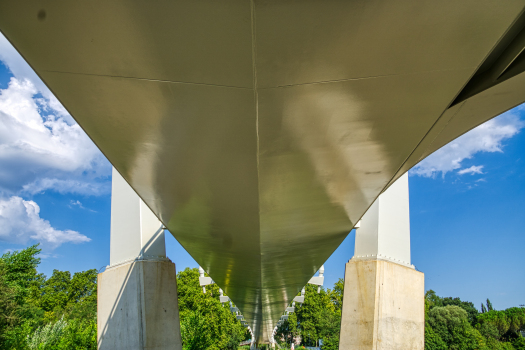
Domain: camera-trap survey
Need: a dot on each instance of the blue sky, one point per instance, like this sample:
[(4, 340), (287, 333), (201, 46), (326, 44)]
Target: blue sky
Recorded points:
[(467, 200)]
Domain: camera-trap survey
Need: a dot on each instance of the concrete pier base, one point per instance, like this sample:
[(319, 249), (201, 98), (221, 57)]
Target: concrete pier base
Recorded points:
[(383, 307), (138, 307)]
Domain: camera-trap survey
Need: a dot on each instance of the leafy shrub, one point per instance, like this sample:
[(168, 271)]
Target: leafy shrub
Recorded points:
[(64, 335)]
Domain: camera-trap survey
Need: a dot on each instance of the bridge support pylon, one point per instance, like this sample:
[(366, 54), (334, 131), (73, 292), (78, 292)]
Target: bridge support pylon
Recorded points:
[(137, 294), (383, 303)]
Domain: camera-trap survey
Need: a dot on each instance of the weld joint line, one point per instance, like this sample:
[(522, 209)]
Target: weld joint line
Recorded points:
[(365, 78), (147, 79)]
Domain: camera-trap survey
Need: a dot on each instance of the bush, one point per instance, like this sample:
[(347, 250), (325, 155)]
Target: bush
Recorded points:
[(64, 335)]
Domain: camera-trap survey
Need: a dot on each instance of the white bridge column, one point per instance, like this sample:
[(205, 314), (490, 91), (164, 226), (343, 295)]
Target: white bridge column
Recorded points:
[(383, 303), (137, 294)]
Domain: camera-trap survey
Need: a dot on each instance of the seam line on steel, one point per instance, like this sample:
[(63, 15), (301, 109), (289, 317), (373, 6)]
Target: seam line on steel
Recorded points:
[(365, 78), (147, 79), (255, 323)]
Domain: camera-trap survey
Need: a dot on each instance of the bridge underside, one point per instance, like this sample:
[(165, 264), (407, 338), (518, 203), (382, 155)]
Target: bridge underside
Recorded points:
[(260, 131)]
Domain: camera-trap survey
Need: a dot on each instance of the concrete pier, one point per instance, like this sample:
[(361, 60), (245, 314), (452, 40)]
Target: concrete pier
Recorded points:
[(383, 307), (137, 294), (383, 303), (138, 308)]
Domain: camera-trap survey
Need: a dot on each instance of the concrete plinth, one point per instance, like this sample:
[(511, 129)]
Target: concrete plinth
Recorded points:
[(383, 307), (138, 307)]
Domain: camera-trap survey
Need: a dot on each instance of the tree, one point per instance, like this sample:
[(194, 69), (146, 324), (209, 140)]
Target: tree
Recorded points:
[(319, 317), (54, 294), (494, 330), (82, 295), (432, 300), (472, 312), (519, 343), (330, 324), (8, 306), (489, 305), (451, 324), (288, 330), (516, 317), (55, 313), (205, 322), (310, 314), (493, 324), (336, 294), (21, 273), (432, 340)]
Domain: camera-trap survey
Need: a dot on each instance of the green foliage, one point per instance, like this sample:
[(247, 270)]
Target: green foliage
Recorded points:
[(494, 321), (63, 335), (39, 313), (493, 344), (20, 271), (319, 317), (447, 326), (59, 313), (432, 340), (311, 313), (47, 336), (451, 324), (519, 343), (489, 305), (502, 325), (8, 306), (205, 322), (516, 317), (472, 312), (76, 297), (488, 330), (432, 300), (329, 328), (336, 294)]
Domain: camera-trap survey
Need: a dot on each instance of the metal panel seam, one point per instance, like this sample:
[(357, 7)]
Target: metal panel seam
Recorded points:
[(256, 323), (146, 79)]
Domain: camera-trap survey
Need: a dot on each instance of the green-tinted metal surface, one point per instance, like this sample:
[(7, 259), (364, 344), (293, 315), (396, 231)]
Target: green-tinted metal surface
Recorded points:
[(260, 131)]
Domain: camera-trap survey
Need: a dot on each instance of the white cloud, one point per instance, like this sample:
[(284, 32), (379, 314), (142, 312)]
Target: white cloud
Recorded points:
[(67, 186), (475, 169), (487, 137), (41, 151), (78, 203), (23, 71), (41, 146), (20, 223)]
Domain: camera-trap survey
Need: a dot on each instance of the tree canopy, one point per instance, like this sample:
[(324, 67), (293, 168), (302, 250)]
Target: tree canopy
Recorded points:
[(455, 324), (205, 322), (59, 313)]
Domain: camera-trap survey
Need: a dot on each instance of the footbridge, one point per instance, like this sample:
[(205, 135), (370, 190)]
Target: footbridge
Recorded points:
[(250, 126)]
